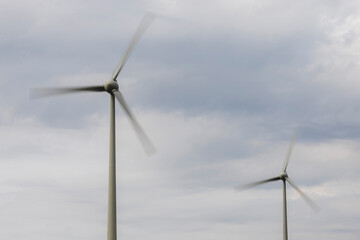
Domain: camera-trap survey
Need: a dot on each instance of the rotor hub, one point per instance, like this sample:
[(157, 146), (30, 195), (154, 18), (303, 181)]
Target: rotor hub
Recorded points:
[(111, 85), (283, 176)]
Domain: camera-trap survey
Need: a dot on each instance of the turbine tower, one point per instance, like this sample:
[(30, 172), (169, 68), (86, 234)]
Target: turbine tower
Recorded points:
[(284, 177), (112, 88)]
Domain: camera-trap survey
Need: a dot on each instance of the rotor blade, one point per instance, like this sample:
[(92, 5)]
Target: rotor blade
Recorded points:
[(148, 146), (47, 92), (289, 152), (304, 196), (145, 23), (254, 184)]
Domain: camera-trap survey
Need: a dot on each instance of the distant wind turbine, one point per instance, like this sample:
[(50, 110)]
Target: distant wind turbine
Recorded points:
[(112, 88), (285, 178)]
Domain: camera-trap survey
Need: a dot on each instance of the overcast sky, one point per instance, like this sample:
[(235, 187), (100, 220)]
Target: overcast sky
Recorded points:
[(219, 86)]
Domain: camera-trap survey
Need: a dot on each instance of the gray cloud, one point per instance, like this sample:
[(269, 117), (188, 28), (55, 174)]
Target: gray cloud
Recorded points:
[(220, 89)]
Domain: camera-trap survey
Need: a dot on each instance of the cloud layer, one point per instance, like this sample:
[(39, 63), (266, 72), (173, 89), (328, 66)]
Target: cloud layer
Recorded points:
[(220, 87)]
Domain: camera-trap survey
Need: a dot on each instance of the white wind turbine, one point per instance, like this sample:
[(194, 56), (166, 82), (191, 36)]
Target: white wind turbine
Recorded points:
[(284, 177), (112, 88)]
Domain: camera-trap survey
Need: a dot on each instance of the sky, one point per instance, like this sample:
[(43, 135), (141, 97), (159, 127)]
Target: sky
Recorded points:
[(220, 88)]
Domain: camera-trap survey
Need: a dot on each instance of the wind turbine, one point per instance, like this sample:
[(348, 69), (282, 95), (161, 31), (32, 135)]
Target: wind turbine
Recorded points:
[(284, 177), (112, 88)]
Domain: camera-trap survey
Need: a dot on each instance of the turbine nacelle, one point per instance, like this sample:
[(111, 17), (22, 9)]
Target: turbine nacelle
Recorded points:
[(283, 176), (111, 86)]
